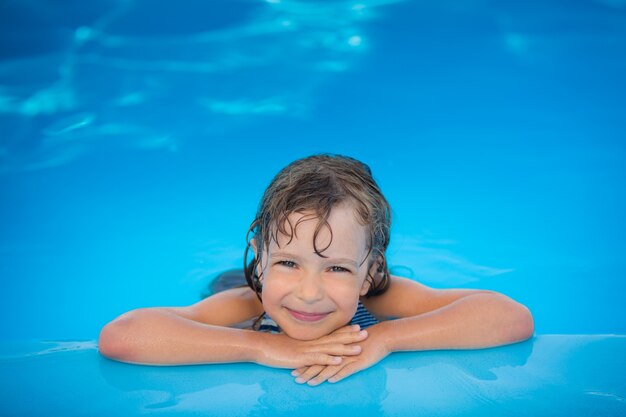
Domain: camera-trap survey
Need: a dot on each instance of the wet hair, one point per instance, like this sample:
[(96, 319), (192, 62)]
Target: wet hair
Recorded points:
[(317, 184)]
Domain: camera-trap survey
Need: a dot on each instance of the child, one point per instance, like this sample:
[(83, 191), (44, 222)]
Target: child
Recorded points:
[(317, 280)]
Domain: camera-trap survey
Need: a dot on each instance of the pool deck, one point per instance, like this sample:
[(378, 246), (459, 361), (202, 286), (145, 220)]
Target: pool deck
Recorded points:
[(548, 375)]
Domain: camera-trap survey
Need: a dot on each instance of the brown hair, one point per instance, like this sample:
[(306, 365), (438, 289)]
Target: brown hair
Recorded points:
[(318, 183)]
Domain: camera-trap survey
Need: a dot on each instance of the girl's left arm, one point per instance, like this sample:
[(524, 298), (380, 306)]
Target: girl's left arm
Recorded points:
[(429, 319)]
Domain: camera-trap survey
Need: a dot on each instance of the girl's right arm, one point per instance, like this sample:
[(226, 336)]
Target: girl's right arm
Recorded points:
[(200, 334)]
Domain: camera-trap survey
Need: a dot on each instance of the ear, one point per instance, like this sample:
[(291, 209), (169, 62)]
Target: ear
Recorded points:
[(367, 284), (365, 287)]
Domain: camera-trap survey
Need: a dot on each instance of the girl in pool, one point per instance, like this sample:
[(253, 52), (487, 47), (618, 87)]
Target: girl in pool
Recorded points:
[(319, 287)]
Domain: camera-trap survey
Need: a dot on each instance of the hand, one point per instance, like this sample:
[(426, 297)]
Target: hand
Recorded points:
[(282, 351), (372, 351)]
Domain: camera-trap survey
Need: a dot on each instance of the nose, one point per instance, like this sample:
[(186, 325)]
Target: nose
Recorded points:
[(310, 288)]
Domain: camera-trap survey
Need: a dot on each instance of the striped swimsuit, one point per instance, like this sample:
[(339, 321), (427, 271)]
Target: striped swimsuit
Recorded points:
[(362, 317)]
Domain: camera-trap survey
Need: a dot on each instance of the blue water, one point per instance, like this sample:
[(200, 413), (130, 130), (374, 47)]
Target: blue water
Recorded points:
[(540, 378), (136, 138)]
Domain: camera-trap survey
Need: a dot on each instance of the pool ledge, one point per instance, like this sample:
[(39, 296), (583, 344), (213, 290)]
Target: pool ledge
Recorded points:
[(551, 375)]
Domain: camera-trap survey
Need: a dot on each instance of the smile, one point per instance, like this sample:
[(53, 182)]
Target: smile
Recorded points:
[(309, 317)]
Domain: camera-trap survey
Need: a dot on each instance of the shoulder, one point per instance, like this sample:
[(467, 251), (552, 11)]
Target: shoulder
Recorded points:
[(406, 297), (225, 308)]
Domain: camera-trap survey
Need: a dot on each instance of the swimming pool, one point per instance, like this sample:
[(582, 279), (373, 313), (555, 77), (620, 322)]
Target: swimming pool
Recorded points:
[(138, 136)]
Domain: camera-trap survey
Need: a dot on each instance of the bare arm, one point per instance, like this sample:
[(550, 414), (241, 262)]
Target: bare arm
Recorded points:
[(474, 321), (156, 336), (429, 318), (199, 334)]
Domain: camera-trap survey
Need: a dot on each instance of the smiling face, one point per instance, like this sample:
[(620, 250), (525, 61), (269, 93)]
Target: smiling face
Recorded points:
[(310, 296)]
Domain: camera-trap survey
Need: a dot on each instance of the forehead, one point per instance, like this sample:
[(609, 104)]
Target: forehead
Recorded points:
[(348, 236)]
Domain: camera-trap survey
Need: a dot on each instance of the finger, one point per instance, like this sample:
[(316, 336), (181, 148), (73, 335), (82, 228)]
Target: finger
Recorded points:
[(337, 349), (319, 358), (297, 372), (326, 373), (345, 371), (344, 338), (311, 372), (348, 329)]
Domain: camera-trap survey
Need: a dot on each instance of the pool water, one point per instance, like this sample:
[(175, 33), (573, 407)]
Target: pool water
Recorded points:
[(137, 138), (552, 375)]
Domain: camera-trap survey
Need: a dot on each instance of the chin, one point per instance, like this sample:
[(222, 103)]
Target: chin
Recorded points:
[(304, 333)]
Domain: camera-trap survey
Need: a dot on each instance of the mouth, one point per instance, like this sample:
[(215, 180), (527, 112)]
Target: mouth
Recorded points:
[(308, 317)]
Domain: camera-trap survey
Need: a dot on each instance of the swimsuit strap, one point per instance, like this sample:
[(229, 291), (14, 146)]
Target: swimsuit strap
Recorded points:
[(362, 317), (268, 325)]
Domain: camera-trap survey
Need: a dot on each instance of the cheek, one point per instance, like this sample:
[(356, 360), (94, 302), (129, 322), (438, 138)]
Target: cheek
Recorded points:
[(345, 287), (274, 287), (270, 300), (354, 283), (344, 293)]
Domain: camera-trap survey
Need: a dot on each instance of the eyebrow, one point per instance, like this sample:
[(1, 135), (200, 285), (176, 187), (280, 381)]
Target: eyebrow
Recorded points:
[(337, 260)]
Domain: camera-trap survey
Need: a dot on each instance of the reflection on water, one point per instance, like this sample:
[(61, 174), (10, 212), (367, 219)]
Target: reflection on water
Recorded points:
[(244, 389), (401, 381), (147, 74), (519, 379), (17, 349)]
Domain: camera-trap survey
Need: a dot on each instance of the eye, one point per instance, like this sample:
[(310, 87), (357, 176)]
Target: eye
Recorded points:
[(288, 264), (339, 269)]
